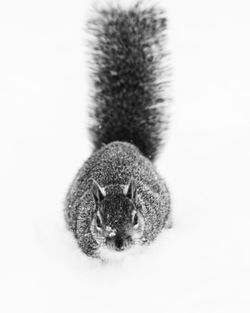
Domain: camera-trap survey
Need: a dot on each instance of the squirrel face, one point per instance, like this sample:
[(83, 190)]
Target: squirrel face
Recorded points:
[(116, 222)]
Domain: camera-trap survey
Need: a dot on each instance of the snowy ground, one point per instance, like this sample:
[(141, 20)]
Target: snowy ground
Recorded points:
[(201, 265)]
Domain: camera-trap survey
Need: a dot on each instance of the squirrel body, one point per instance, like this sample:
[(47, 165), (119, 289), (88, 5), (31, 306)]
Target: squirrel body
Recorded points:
[(113, 166), (118, 200)]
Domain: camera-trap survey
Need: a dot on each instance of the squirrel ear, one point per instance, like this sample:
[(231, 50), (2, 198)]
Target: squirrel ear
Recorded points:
[(130, 190), (97, 191)]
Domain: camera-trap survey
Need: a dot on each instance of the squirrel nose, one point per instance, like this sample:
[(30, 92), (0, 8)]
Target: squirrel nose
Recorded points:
[(119, 243)]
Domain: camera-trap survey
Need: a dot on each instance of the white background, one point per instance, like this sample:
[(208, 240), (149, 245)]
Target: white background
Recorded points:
[(203, 263)]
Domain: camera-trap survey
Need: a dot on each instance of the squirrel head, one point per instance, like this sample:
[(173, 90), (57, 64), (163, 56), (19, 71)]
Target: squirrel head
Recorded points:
[(116, 221)]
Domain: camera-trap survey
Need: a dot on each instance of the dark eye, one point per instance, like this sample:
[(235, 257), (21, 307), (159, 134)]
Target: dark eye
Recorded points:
[(98, 221), (135, 219)]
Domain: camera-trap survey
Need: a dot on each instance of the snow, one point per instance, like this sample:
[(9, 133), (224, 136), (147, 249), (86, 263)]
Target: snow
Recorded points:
[(203, 263)]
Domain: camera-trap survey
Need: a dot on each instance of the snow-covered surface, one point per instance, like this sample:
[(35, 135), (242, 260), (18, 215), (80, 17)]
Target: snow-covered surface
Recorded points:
[(203, 263)]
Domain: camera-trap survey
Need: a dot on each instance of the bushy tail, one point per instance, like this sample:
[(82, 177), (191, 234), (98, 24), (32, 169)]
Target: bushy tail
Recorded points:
[(127, 69)]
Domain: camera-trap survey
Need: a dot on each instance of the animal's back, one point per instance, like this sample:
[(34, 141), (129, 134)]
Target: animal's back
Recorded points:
[(124, 159)]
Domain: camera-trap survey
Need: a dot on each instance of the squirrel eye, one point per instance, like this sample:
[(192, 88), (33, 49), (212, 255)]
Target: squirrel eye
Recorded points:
[(98, 221), (135, 219)]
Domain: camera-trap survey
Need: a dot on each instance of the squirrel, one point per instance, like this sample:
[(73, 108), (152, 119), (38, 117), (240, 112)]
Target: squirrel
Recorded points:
[(118, 200)]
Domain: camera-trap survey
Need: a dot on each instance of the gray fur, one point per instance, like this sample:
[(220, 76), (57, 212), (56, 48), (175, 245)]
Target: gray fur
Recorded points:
[(113, 166), (128, 114)]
